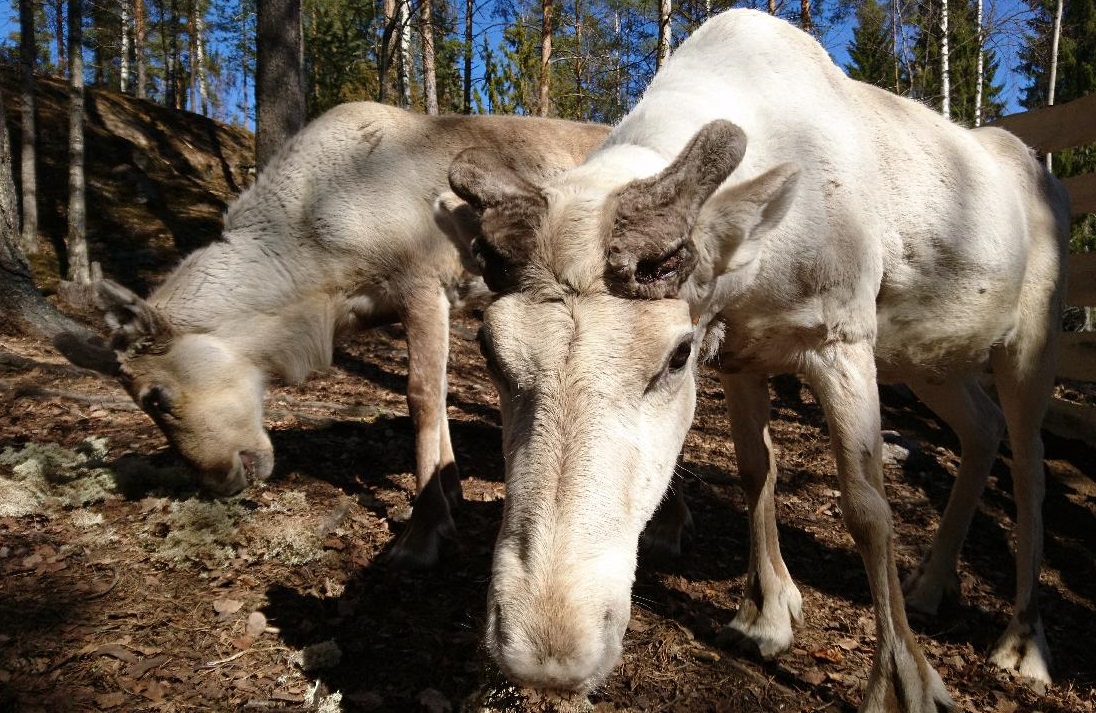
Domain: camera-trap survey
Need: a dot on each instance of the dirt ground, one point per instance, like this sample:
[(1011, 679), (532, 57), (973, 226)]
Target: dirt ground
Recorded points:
[(122, 590)]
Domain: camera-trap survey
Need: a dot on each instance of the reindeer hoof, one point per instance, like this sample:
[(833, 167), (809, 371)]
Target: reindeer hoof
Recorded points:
[(924, 593), (1023, 650), (419, 545), (768, 629), (904, 682)]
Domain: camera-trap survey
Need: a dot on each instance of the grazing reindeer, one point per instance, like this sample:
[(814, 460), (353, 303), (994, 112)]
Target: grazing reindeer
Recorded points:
[(825, 227), (337, 233)]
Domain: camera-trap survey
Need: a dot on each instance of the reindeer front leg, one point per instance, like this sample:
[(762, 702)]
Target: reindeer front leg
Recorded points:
[(843, 378), (425, 316), (771, 601)]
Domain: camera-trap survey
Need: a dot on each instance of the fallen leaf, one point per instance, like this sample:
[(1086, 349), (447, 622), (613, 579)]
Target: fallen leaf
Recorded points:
[(117, 651), (140, 669), (831, 655), (243, 643), (256, 624), (227, 606), (849, 644)]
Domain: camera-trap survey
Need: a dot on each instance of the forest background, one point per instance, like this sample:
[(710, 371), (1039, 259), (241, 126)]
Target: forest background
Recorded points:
[(973, 60)]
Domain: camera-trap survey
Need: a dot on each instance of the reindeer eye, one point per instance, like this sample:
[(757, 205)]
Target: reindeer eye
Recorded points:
[(681, 355), (156, 401)]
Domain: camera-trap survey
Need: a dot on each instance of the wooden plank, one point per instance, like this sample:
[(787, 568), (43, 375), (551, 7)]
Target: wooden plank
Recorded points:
[(1077, 359), (1070, 420), (1051, 128), (1081, 291), (1082, 192)]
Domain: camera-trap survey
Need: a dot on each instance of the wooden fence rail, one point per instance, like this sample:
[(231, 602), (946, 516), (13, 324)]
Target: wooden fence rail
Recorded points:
[(1051, 129)]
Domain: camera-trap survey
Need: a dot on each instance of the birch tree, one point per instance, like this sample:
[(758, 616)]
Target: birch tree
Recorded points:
[(945, 68), (980, 71), (664, 30), (469, 6), (546, 57), (123, 64), (28, 57), (1055, 38), (200, 89), (403, 66), (79, 264)]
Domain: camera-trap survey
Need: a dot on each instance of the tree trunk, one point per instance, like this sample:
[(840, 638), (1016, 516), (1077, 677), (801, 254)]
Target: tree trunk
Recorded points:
[(29, 175), (805, 20), (980, 69), (403, 66), (468, 50), (79, 265), (580, 55), (772, 7), (192, 52), (139, 39), (1055, 37), (59, 15), (389, 10), (203, 103), (279, 77), (123, 68), (175, 99), (429, 75), (945, 62), (545, 58), (664, 30), (22, 307)]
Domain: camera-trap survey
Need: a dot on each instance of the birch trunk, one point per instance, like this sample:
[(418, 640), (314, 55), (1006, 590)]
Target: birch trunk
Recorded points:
[(945, 62), (202, 103), (664, 30), (79, 265), (403, 66), (28, 58), (545, 57), (1055, 37), (123, 69), (805, 20), (980, 68)]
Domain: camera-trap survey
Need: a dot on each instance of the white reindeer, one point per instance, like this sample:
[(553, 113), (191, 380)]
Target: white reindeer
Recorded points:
[(825, 227), (337, 233)]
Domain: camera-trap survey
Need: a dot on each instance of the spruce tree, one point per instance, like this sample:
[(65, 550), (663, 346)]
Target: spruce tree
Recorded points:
[(871, 51)]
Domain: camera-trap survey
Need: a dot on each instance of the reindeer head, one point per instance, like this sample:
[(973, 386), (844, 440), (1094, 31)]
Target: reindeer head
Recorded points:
[(207, 399), (592, 343)]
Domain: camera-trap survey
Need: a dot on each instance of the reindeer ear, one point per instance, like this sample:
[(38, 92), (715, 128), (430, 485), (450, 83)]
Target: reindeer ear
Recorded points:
[(503, 209), (650, 253), (136, 326), (734, 222)]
